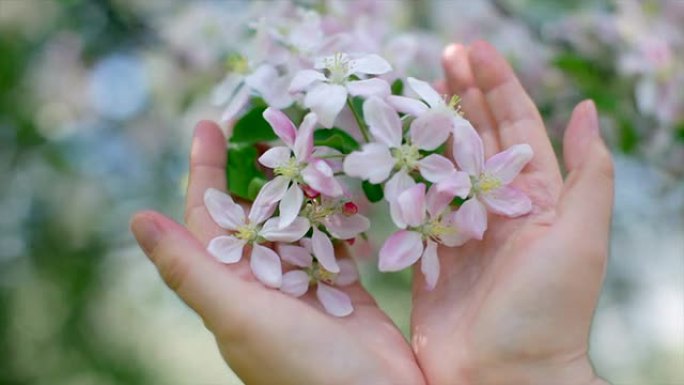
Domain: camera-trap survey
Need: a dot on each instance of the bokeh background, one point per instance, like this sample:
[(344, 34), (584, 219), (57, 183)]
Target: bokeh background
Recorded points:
[(97, 103)]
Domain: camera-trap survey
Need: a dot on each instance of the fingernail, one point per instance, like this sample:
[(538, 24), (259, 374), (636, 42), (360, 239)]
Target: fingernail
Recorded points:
[(591, 117), (146, 232)]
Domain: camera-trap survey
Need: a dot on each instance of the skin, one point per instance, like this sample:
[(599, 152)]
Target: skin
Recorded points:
[(514, 308)]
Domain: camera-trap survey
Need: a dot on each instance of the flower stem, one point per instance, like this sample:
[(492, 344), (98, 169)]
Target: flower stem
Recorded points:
[(359, 121)]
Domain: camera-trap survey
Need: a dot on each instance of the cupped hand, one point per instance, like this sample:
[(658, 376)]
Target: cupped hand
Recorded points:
[(265, 336), (516, 307)]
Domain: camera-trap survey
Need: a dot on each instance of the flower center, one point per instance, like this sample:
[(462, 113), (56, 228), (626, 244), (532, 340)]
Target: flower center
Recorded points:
[(317, 212), (435, 229), (338, 68), (486, 183), (318, 274), (289, 170), (238, 64), (248, 233), (406, 156)]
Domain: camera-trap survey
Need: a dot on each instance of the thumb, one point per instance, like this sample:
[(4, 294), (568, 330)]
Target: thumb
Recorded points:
[(199, 280), (587, 198)]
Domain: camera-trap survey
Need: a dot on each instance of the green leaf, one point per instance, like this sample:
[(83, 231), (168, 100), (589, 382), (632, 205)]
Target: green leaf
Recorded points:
[(243, 175), (398, 87), (253, 128), (628, 136), (679, 132), (337, 139), (373, 191)]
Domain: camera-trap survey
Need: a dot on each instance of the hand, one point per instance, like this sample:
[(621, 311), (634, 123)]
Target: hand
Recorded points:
[(267, 337), (516, 307)]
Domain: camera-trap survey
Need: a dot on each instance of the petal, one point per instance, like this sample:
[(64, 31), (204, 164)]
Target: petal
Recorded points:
[(430, 130), (377, 154), (471, 219), (276, 156), (292, 233), (269, 85), (236, 104), (335, 301), (436, 200), (435, 168), (348, 273), (383, 122), (296, 255), (265, 202), (281, 124), (346, 227), (429, 265), (468, 150), (295, 283), (323, 251), (303, 145), (290, 205), (506, 165), (222, 93), (319, 176), (266, 267), (457, 184), (305, 78), (406, 105), (507, 201), (369, 64), (412, 205), (395, 214), (223, 210), (400, 250), (226, 249), (326, 100), (426, 92), (397, 184), (369, 87)]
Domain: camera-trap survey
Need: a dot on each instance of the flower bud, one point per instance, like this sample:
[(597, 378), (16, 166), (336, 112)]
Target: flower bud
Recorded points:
[(351, 241), (309, 192), (350, 208)]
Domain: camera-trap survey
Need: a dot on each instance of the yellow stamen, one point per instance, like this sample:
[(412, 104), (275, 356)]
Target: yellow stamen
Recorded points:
[(290, 170)]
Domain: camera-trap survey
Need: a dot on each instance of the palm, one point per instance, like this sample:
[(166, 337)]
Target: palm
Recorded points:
[(515, 296)]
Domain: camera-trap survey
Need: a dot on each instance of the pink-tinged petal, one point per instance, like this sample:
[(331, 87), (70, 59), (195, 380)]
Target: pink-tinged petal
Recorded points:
[(426, 92), (369, 87), (468, 150), (348, 273), (226, 249), (275, 156), (222, 93), (335, 301), (369, 64), (458, 184), (436, 201), (296, 255), (323, 251), (506, 165), (357, 163), (429, 265), (236, 104), (430, 130), (223, 210), (406, 105), (326, 100), (383, 122), (471, 218), (397, 184), (346, 227), (401, 250), (303, 145), (304, 79), (282, 125), (436, 168), (292, 233), (295, 283), (412, 205), (266, 81), (396, 215), (265, 202), (507, 201), (319, 176), (290, 205), (266, 267)]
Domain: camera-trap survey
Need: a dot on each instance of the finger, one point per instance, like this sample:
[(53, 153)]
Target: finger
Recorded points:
[(587, 198), (516, 116), (207, 170), (460, 81), (197, 278)]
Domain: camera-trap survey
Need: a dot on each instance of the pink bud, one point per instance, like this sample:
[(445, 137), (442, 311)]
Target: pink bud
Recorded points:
[(350, 208), (351, 241), (309, 192)]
